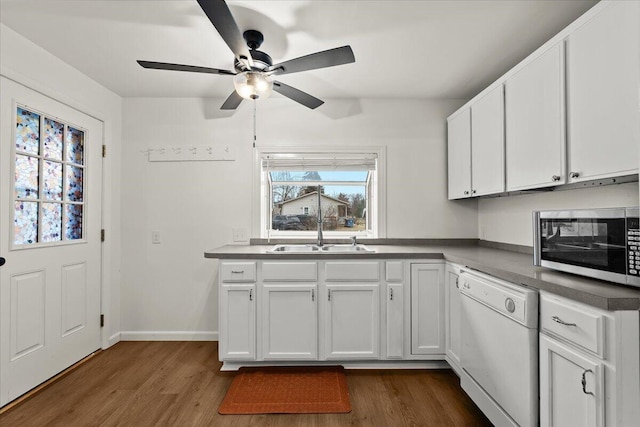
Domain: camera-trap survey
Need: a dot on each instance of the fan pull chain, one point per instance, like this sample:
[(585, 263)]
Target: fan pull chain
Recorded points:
[(254, 123)]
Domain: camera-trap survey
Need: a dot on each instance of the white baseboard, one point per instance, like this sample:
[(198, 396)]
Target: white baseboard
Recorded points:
[(169, 336), (113, 339)]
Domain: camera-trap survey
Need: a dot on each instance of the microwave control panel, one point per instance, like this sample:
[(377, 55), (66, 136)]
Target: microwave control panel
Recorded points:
[(633, 246)]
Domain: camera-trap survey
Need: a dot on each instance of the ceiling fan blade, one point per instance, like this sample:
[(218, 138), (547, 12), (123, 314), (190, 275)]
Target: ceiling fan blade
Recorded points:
[(297, 95), (232, 101), (181, 67), (220, 16), (326, 58)]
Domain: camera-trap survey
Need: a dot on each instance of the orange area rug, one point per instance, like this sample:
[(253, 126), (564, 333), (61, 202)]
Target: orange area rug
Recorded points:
[(287, 390)]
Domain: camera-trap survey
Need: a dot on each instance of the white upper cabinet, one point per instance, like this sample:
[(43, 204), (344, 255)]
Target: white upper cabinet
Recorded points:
[(459, 154), (603, 74), (487, 143), (534, 115)]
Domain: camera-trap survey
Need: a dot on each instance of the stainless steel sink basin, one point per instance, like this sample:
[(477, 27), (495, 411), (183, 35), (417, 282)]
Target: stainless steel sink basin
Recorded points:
[(295, 248), (316, 248), (346, 248)]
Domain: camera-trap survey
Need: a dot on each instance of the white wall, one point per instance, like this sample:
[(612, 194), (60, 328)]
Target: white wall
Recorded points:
[(170, 290), (508, 219), (28, 64)]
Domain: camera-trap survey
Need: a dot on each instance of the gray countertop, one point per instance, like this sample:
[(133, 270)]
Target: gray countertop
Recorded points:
[(514, 267)]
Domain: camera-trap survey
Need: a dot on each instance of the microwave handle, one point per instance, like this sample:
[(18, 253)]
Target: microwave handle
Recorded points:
[(536, 238)]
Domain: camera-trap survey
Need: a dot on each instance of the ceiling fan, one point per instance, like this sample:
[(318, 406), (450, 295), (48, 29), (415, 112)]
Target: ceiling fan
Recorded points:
[(254, 69)]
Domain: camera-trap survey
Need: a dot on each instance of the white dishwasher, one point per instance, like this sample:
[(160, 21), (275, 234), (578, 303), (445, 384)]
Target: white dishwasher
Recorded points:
[(499, 348)]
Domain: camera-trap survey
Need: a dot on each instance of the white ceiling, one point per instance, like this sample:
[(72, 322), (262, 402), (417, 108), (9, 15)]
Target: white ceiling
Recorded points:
[(403, 49)]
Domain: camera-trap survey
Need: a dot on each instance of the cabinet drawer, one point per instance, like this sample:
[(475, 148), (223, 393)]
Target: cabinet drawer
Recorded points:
[(290, 271), (238, 272), (352, 271), (576, 323), (394, 271)]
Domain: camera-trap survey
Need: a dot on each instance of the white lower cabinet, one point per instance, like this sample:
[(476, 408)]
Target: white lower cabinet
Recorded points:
[(589, 365), (238, 322), (573, 385), (452, 316), (289, 322), (427, 309), (394, 305), (352, 321)]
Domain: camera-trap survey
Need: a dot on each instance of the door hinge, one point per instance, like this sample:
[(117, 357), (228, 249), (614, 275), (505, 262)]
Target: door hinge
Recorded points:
[(104, 151), (102, 235), (102, 320)]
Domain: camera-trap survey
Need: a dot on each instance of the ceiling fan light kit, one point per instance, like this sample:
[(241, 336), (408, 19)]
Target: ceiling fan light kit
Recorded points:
[(254, 69)]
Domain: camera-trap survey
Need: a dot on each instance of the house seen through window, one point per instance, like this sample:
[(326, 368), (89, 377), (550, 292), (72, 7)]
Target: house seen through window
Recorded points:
[(346, 185)]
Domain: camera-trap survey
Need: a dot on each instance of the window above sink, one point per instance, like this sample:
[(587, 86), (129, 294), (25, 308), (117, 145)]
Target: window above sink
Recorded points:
[(351, 195)]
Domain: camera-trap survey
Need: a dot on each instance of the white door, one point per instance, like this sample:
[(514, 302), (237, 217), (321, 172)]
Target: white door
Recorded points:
[(534, 121), (603, 71), (50, 200), (459, 154), (571, 391), (352, 327), (237, 322), (289, 322), (427, 309), (487, 143)]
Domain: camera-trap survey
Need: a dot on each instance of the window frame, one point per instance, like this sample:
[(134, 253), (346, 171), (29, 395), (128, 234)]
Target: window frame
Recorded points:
[(13, 246), (261, 217)]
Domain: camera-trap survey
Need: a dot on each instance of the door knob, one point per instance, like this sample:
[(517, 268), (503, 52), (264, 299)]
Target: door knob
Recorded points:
[(574, 174), (555, 178), (2, 261)]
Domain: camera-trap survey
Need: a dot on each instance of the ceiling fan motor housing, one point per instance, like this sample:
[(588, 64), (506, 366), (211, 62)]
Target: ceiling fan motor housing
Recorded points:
[(261, 61)]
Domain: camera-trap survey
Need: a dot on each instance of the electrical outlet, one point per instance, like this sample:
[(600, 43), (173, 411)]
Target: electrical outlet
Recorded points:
[(239, 234), (155, 237)]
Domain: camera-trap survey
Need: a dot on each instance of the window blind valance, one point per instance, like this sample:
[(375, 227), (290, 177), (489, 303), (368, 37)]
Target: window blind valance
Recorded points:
[(319, 162)]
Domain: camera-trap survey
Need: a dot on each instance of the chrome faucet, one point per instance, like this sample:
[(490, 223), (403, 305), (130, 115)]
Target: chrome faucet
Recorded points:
[(320, 243)]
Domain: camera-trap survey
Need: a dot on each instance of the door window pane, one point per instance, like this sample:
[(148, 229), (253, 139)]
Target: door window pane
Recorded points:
[(28, 132), (74, 184), (25, 223), (26, 178), (74, 222), (53, 139), (52, 181), (51, 222), (75, 146)]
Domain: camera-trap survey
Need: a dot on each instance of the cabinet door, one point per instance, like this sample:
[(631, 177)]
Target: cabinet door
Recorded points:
[(534, 123), (571, 387), (352, 327), (459, 155), (427, 309), (452, 323), (289, 322), (394, 324), (487, 144), (237, 322), (603, 75)]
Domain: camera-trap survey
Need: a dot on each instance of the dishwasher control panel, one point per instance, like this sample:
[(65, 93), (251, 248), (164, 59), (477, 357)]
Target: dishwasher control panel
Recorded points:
[(513, 301)]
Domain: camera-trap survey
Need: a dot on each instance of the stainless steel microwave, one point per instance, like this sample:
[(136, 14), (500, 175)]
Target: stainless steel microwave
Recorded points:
[(599, 243)]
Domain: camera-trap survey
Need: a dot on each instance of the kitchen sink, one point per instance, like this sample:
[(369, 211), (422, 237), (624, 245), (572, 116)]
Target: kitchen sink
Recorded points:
[(326, 248), (295, 248), (346, 248)]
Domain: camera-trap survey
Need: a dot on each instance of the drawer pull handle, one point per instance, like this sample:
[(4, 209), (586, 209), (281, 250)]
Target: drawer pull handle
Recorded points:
[(562, 322), (584, 382), (250, 294), (237, 271)]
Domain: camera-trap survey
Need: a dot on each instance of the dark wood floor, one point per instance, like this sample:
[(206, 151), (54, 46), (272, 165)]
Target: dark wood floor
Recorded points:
[(180, 384)]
